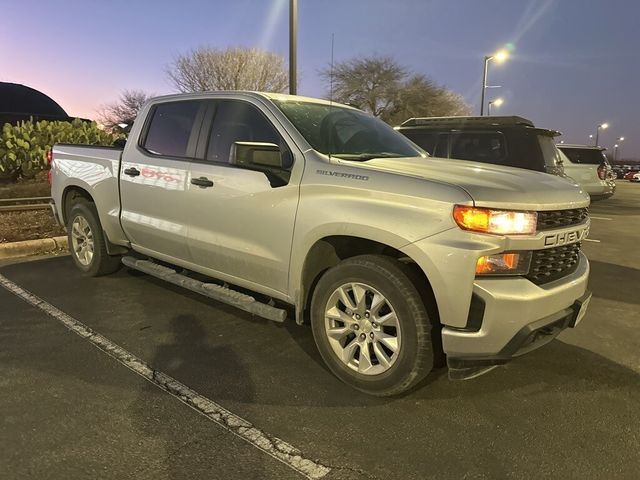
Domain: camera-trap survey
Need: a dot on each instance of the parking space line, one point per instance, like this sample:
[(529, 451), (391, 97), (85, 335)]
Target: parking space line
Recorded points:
[(599, 218), (273, 446), (591, 240)]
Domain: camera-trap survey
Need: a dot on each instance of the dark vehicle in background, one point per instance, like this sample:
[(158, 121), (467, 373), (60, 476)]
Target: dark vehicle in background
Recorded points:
[(589, 166), (511, 141)]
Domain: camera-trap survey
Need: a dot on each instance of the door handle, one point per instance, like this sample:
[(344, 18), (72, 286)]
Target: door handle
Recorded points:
[(132, 172), (203, 182)]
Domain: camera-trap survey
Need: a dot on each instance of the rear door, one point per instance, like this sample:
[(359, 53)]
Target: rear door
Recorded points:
[(241, 220), (154, 179)]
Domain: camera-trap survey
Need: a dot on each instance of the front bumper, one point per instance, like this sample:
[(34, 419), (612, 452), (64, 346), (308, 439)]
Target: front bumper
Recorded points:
[(518, 317)]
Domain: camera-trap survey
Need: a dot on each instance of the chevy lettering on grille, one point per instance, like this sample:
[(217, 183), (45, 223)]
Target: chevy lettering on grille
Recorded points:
[(565, 238)]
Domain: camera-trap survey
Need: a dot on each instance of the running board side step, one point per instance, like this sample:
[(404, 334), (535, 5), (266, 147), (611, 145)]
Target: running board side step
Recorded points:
[(211, 290)]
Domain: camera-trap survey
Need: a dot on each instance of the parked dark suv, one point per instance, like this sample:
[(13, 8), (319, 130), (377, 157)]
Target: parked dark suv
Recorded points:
[(512, 141)]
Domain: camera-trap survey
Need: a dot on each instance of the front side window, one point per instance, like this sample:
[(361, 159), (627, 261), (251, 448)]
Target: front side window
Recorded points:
[(550, 152), (237, 121), (170, 128), (425, 140), (486, 147), (345, 132)]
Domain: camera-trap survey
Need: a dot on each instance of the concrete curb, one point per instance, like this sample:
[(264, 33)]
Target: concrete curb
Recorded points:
[(33, 247)]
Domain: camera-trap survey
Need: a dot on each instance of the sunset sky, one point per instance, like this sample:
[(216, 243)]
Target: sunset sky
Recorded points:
[(576, 63)]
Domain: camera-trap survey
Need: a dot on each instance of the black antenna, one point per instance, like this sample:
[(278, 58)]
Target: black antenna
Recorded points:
[(331, 73), (331, 95)]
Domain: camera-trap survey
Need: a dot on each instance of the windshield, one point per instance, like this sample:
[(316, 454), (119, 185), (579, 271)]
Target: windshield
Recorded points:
[(347, 133), (590, 156)]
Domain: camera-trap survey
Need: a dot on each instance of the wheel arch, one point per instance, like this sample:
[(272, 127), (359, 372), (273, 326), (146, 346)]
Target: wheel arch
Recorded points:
[(331, 250), (70, 194)]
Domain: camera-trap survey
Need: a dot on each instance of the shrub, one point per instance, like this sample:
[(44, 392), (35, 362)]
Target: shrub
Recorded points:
[(23, 147)]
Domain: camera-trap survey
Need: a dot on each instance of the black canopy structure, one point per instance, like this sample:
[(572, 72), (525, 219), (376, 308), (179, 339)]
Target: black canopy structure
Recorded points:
[(19, 102)]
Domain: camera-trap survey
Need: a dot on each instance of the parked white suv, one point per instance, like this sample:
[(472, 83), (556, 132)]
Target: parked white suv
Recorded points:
[(589, 167)]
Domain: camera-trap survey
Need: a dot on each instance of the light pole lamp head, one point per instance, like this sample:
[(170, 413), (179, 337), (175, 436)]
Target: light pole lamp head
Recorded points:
[(621, 139), (603, 126), (501, 55), (497, 102)]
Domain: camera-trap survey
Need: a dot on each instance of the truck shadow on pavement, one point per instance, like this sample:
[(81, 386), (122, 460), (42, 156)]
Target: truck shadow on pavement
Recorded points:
[(205, 449), (614, 282)]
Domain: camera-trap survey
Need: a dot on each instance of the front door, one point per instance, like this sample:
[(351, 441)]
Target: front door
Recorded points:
[(154, 179), (241, 221)]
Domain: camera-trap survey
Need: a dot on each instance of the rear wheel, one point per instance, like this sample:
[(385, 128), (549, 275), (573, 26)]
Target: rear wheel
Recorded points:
[(87, 243), (371, 326)]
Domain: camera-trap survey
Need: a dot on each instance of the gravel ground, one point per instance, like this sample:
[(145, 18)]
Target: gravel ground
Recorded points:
[(28, 225)]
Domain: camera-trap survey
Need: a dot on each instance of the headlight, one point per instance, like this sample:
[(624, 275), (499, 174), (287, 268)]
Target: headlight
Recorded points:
[(500, 222), (511, 263)]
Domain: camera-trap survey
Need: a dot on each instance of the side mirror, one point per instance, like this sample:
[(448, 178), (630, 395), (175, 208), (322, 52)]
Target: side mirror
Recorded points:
[(256, 154), (120, 142)]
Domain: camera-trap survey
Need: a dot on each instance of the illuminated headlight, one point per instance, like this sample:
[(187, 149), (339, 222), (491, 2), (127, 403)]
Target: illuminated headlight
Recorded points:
[(500, 222), (513, 263)]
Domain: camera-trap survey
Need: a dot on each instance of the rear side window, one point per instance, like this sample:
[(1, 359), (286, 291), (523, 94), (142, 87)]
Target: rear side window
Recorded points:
[(585, 155), (171, 127), (486, 147), (237, 121)]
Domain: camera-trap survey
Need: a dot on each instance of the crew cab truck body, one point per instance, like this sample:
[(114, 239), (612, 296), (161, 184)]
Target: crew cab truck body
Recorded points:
[(394, 257)]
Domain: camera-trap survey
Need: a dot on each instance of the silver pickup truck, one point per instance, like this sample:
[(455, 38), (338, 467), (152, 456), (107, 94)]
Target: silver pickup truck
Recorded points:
[(282, 203)]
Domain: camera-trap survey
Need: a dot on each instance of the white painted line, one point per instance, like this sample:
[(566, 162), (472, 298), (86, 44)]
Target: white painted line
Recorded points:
[(591, 240), (273, 446), (600, 218)]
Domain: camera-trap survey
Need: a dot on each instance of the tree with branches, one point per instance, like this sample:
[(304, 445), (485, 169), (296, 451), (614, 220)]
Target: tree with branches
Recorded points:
[(237, 68), (388, 90), (124, 110)]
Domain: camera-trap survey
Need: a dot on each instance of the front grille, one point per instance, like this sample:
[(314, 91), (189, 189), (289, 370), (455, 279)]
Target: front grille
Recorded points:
[(553, 263), (551, 219)]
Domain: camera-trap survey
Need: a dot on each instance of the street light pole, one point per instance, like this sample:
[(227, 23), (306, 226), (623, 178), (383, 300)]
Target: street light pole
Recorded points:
[(615, 148), (293, 47), (601, 126), (499, 57), (497, 102), (484, 82)]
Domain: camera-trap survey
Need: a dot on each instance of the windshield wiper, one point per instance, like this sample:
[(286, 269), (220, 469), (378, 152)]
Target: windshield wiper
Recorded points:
[(362, 157)]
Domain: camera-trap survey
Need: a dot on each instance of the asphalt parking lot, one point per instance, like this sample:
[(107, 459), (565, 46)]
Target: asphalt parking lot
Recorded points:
[(70, 410)]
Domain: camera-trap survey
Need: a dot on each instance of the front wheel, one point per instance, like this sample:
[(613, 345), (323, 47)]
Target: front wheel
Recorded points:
[(371, 325), (87, 243)]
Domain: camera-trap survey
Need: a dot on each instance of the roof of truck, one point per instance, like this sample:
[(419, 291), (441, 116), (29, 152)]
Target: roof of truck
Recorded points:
[(282, 97)]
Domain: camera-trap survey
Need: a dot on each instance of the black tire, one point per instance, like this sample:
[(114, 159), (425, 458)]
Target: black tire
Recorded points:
[(101, 263), (392, 279)]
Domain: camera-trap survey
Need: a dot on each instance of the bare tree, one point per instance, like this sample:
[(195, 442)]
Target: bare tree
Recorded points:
[(420, 96), (388, 90), (370, 83), (124, 110), (237, 68)]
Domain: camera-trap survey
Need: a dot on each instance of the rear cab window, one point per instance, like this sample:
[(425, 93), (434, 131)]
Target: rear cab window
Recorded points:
[(171, 131)]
